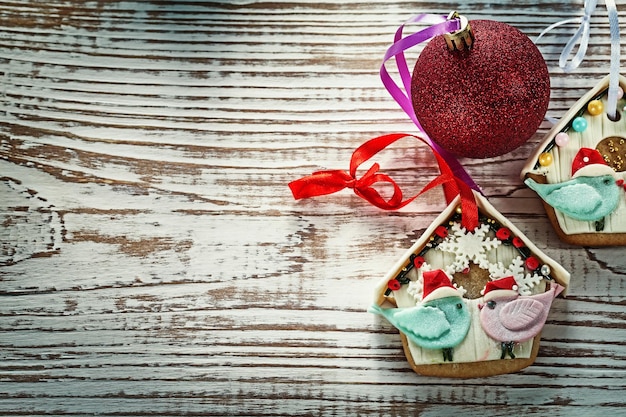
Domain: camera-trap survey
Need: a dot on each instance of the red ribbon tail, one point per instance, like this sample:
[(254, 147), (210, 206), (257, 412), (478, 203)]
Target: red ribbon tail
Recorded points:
[(320, 183), (454, 186), (469, 208), (328, 182)]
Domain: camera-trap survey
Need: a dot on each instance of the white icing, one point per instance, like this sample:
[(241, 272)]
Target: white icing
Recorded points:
[(598, 128), (476, 346)]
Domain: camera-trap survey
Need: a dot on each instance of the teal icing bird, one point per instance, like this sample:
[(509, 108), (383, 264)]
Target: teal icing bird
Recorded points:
[(585, 198), (440, 323)]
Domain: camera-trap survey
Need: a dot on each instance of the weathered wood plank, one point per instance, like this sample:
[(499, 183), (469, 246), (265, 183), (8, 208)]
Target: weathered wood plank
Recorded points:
[(153, 261)]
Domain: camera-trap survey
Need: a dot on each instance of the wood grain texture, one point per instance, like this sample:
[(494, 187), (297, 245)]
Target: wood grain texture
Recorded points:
[(153, 261)]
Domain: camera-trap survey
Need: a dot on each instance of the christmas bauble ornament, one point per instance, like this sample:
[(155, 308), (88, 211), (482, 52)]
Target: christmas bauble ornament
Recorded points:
[(481, 91)]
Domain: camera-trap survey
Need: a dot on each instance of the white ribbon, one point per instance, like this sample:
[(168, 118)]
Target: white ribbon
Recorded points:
[(582, 37), (614, 74), (581, 34)]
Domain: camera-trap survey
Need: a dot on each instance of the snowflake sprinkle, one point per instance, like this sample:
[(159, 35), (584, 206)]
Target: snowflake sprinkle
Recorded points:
[(525, 281), (468, 247)]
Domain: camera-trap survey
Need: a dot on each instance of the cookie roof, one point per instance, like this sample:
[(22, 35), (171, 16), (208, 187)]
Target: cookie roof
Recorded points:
[(558, 273), (547, 142), (557, 163)]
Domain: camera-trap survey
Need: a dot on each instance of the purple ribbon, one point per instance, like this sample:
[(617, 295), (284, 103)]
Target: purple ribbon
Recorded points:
[(439, 25)]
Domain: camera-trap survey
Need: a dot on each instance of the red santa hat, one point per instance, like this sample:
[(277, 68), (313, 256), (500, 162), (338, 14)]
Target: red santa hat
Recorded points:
[(437, 284), (503, 286), (589, 163)]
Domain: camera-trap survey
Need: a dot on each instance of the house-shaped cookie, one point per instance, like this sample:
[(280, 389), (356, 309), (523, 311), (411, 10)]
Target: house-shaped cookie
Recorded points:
[(579, 168), (454, 294)]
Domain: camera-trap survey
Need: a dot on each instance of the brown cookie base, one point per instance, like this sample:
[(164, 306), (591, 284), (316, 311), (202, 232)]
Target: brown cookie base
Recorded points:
[(472, 369)]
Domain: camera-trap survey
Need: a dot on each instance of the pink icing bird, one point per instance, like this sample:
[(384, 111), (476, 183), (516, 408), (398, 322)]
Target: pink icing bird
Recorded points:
[(510, 318)]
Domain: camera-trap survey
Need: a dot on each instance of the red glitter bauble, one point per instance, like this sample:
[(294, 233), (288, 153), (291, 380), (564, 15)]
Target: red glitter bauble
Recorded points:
[(485, 101)]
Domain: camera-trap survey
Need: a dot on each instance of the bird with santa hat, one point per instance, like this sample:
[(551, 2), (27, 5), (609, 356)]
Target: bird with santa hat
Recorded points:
[(591, 194), (440, 321), (510, 318)]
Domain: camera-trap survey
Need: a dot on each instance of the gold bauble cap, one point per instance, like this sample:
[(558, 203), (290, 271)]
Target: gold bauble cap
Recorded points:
[(462, 39)]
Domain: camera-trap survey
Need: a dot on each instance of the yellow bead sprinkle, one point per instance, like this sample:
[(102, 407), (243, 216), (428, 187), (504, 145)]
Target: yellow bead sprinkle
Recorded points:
[(595, 107), (545, 159)]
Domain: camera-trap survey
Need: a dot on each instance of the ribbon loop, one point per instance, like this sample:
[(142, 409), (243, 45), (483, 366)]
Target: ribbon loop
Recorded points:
[(321, 183), (327, 182), (369, 178), (439, 26), (581, 37)]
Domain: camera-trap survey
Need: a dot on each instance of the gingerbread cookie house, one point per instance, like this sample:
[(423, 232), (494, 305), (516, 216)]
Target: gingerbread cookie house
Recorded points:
[(579, 169), (470, 303)]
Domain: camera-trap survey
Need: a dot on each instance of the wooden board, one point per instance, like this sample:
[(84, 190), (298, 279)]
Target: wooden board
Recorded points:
[(154, 262)]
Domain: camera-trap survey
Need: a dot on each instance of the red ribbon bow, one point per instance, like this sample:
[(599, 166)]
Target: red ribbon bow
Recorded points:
[(328, 182)]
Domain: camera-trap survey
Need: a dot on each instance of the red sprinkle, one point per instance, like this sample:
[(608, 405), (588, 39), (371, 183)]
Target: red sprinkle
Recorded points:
[(441, 231), (418, 262), (517, 242), (532, 263), (394, 285), (503, 233)]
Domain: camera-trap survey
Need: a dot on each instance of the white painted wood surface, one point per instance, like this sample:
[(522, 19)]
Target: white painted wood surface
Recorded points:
[(153, 261)]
